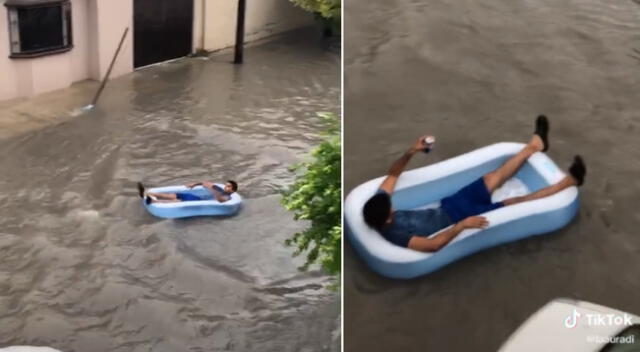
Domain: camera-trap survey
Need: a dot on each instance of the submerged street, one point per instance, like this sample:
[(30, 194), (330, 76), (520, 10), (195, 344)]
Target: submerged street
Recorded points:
[(85, 268)]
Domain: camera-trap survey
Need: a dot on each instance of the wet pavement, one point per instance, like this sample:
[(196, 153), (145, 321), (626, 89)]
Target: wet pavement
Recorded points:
[(83, 267), (473, 74)]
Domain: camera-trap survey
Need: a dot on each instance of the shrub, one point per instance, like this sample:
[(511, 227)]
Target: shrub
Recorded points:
[(329, 11), (316, 196)]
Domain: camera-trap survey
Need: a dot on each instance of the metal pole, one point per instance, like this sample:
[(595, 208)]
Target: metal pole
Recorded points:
[(242, 7), (106, 77), (203, 25)]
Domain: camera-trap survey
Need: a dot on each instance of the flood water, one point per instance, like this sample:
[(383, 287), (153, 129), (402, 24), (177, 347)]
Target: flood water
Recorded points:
[(83, 267), (474, 73)]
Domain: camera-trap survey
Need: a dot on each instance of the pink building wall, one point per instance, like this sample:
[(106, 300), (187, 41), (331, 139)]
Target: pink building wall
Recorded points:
[(98, 25)]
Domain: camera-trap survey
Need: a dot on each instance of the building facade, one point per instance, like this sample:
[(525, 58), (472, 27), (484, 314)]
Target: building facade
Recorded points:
[(49, 44)]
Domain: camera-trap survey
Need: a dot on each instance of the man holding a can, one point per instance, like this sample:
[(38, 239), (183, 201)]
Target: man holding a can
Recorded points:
[(460, 211)]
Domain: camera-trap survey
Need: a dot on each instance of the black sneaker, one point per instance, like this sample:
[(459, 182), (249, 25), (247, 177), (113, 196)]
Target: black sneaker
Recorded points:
[(542, 130), (147, 200), (578, 169), (140, 189)]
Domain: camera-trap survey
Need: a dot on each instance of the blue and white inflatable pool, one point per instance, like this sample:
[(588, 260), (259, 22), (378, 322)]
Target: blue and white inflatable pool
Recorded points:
[(424, 187), (209, 207)]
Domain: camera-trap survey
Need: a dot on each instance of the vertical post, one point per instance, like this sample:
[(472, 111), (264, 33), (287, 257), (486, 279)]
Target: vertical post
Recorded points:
[(238, 57), (106, 76), (203, 25)]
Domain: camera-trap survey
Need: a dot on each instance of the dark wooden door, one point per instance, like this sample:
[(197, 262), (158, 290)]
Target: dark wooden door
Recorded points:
[(163, 30)]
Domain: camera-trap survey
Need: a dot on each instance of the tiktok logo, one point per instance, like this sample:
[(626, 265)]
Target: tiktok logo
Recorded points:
[(572, 320)]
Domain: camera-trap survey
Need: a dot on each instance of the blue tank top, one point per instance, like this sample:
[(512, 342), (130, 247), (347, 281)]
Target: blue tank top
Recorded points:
[(222, 192)]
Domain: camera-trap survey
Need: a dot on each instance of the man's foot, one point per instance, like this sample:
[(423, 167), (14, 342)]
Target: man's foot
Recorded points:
[(147, 200), (140, 189), (542, 130), (578, 170)]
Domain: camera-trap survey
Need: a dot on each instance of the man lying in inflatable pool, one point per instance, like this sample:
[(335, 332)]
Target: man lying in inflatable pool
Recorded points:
[(220, 194), (411, 228)]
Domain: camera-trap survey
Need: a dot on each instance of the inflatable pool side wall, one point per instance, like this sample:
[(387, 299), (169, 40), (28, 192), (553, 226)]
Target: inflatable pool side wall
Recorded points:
[(431, 183), (493, 236)]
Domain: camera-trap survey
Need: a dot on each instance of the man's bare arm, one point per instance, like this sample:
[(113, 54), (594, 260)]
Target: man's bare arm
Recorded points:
[(434, 244), (389, 183)]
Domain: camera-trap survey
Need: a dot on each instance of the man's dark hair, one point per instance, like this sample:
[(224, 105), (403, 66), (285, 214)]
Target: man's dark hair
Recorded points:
[(234, 185), (376, 210)]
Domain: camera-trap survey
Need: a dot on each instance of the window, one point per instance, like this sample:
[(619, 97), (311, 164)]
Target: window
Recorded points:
[(39, 27)]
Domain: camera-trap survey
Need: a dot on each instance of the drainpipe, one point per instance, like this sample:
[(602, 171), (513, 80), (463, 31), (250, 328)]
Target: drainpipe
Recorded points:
[(242, 7), (203, 24)]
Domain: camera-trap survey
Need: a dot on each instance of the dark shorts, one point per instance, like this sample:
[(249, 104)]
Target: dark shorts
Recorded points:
[(187, 197), (473, 199)]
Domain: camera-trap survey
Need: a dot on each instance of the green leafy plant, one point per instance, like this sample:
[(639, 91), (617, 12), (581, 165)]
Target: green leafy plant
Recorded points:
[(315, 196), (329, 11), (325, 8)]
